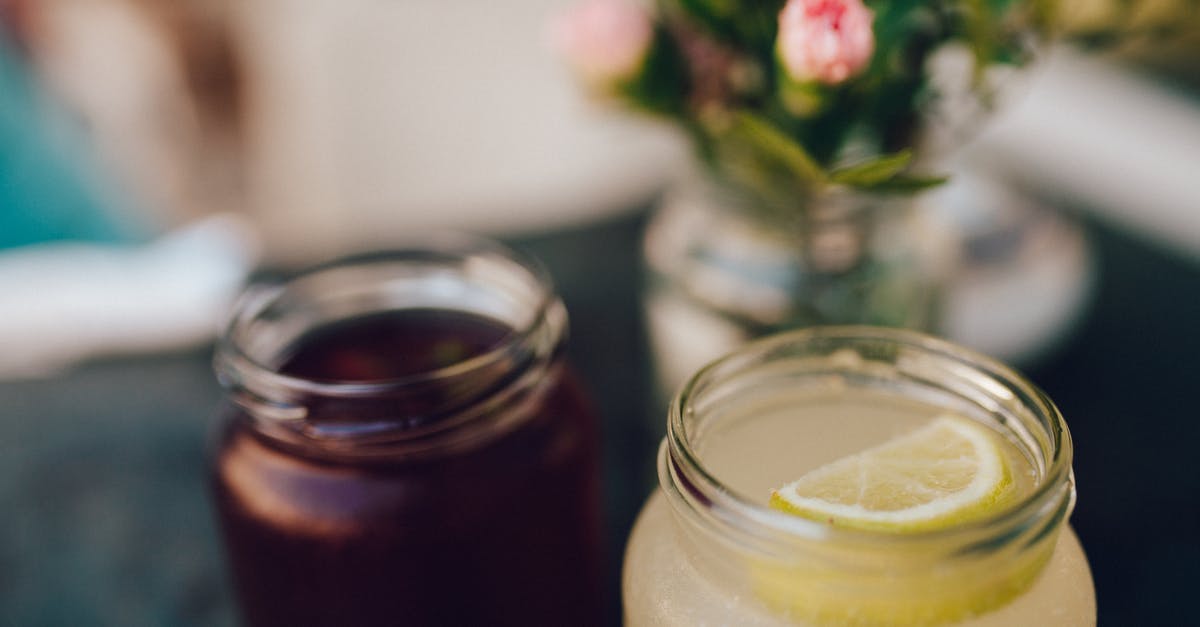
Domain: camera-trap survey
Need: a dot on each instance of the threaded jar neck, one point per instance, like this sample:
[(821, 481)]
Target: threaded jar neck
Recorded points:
[(455, 404)]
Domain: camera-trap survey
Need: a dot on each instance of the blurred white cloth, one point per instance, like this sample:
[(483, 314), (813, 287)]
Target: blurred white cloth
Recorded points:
[(372, 119), (63, 302), (1113, 141), (1084, 132)]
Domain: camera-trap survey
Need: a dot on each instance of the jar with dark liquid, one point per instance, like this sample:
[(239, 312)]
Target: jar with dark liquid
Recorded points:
[(404, 445)]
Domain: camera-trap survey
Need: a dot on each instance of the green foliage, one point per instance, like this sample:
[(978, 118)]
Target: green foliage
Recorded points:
[(885, 174), (749, 25), (662, 85), (1134, 23), (872, 172), (713, 69), (774, 137), (777, 148)]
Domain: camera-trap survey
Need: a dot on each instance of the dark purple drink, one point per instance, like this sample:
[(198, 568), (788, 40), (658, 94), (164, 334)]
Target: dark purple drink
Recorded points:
[(415, 460)]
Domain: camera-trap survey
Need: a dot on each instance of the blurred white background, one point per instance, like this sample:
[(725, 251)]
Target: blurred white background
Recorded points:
[(374, 118)]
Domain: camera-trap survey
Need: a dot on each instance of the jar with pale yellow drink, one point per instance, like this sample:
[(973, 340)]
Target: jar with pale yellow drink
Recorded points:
[(859, 476)]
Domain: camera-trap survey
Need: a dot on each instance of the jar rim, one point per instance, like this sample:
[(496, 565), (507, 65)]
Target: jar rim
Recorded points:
[(238, 367), (682, 470)]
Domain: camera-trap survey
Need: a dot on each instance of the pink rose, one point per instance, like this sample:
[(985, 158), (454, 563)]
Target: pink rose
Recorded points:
[(825, 40), (604, 40)]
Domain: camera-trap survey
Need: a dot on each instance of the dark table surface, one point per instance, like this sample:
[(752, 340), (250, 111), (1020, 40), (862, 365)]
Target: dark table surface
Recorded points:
[(106, 521)]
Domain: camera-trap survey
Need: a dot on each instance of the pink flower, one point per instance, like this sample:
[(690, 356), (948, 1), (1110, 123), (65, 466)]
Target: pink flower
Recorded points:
[(825, 40), (604, 40)]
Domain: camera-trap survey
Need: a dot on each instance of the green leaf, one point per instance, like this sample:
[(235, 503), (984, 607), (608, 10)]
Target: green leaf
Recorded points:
[(764, 135), (885, 174), (908, 184), (873, 171)]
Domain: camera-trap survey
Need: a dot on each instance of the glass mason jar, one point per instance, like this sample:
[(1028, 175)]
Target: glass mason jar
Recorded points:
[(403, 443), (724, 267), (708, 549)]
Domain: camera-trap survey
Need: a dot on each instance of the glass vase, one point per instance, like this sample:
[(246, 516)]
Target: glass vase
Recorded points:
[(723, 267)]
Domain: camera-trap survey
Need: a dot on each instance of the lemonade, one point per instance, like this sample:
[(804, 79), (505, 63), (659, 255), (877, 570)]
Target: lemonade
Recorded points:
[(859, 477)]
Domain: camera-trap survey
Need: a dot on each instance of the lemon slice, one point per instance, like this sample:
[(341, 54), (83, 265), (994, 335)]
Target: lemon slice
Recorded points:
[(949, 471)]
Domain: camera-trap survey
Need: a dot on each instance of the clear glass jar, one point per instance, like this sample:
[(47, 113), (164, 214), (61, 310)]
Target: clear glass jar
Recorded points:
[(707, 549), (725, 267), (403, 443)]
